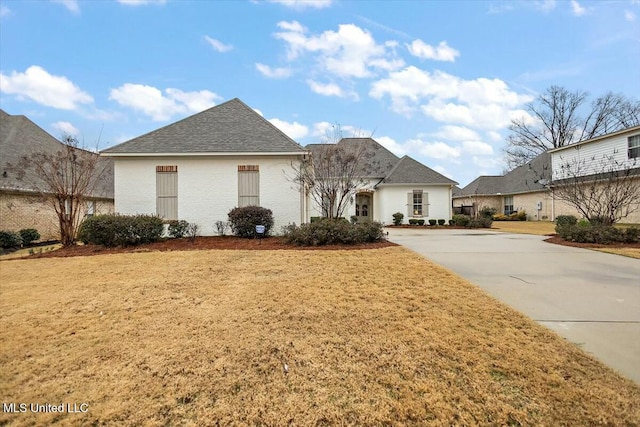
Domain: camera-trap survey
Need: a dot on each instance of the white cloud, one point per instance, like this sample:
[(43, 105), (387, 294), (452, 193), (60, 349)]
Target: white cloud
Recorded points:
[(629, 16), (329, 89), (153, 103), (456, 133), (477, 147), (350, 52), (435, 150), (44, 88), (218, 45), (273, 73), (66, 128), (140, 2), (71, 5), (481, 103), (443, 52), (4, 11), (545, 5), (304, 4), (577, 9), (495, 136), (293, 130)]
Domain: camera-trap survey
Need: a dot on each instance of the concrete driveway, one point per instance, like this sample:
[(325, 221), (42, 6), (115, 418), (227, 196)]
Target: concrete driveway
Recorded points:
[(590, 298)]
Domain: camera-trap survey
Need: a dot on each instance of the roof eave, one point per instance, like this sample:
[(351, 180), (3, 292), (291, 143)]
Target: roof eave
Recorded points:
[(201, 154)]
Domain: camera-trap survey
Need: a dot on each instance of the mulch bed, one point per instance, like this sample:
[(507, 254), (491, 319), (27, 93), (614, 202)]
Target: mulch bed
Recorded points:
[(200, 243), (560, 241)]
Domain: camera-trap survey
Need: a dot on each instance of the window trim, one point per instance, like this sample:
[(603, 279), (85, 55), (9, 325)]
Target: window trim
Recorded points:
[(633, 147)]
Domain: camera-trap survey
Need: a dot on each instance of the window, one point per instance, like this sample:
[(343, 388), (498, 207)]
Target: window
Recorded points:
[(91, 208), (248, 185), (167, 192), (508, 205), (634, 147), (418, 203)]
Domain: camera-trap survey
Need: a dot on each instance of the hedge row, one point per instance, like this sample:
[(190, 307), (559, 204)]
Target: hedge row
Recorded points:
[(333, 231), (120, 230), (569, 228), (24, 237)]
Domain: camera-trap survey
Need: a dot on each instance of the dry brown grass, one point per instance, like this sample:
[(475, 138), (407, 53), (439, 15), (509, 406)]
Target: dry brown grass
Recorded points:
[(628, 252), (375, 337), (541, 228)]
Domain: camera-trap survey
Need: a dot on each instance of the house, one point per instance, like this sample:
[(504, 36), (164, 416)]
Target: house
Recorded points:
[(392, 184), (201, 167), (611, 162), (522, 189), (22, 204), (533, 187)]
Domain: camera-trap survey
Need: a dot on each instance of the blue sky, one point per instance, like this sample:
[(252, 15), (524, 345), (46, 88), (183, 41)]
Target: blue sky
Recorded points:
[(438, 81)]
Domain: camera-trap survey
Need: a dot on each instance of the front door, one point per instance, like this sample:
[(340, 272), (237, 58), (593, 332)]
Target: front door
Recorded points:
[(364, 207)]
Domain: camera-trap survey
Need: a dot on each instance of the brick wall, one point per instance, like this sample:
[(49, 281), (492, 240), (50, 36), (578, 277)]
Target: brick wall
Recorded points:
[(18, 211)]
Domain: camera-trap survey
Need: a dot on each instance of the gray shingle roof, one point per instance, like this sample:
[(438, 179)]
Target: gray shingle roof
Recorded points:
[(523, 179), (231, 127), (411, 171), (20, 137), (381, 163)]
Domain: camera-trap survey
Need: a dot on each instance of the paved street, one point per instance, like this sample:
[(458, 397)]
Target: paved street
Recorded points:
[(588, 297)]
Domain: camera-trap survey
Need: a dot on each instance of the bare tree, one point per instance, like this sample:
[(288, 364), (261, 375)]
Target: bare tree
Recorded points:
[(557, 121), (603, 190), (65, 179), (333, 174)]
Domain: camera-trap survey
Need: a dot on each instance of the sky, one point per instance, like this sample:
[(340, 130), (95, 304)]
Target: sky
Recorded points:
[(439, 81)]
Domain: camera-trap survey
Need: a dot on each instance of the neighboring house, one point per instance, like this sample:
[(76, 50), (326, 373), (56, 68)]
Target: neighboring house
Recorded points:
[(393, 184), (201, 167), (530, 187), (615, 154), (22, 204), (524, 188)]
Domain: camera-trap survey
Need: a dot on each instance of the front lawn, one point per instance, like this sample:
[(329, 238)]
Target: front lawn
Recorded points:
[(351, 337)]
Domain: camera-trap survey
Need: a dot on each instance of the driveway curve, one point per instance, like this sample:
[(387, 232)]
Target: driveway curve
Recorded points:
[(588, 297)]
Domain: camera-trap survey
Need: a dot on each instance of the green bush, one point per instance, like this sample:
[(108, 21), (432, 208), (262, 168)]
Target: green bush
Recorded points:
[(120, 230), (487, 212), (178, 229), (441, 222), (461, 220), (416, 221), (584, 232), (452, 222), (397, 218), (481, 222), (333, 231), (29, 235), (432, 222), (562, 220), (243, 220), (10, 239), (353, 219)]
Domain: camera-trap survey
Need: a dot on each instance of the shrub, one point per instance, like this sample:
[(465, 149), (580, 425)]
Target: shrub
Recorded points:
[(501, 217), (441, 222), (243, 220), (354, 219), (452, 222), (432, 222), (332, 231), (397, 218), (562, 220), (416, 221), (603, 234), (632, 235), (192, 231), (482, 222), (461, 220), (487, 212), (120, 230), (178, 229), (520, 215), (10, 239), (221, 227), (29, 235)]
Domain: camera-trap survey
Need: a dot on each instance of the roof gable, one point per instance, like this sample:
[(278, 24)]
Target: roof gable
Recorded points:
[(411, 171), (230, 127), (20, 137)]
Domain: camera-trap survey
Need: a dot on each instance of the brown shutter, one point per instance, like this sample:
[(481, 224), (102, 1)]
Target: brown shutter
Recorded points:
[(167, 192), (410, 204), (425, 204)]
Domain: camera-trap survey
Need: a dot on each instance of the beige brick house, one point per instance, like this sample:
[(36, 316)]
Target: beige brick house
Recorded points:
[(22, 204)]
